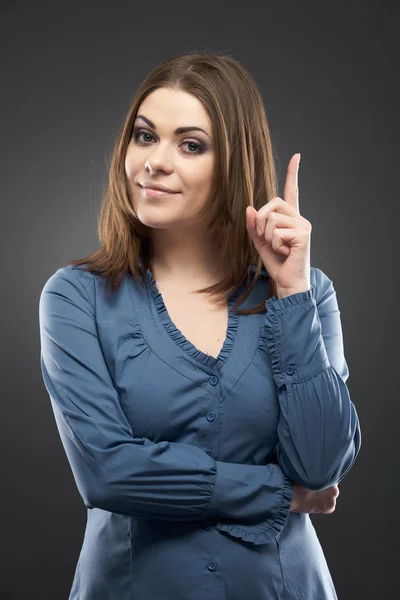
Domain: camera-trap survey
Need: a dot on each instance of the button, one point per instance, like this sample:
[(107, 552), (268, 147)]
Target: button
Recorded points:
[(210, 453), (211, 416), (213, 380), (212, 565), (291, 369)]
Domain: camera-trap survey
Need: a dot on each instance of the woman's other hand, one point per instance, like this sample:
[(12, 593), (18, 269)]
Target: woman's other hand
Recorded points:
[(312, 501)]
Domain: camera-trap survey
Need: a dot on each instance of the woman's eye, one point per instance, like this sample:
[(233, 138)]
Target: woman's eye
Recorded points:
[(201, 148)]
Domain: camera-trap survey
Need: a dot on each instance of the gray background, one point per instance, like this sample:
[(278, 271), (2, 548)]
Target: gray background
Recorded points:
[(329, 78)]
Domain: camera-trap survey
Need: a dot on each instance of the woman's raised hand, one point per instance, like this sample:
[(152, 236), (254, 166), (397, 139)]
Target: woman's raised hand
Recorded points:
[(282, 236)]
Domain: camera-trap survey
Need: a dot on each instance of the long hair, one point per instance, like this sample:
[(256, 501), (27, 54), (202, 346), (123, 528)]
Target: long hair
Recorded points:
[(244, 174)]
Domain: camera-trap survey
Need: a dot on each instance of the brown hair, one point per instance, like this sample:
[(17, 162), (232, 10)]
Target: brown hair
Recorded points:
[(244, 174)]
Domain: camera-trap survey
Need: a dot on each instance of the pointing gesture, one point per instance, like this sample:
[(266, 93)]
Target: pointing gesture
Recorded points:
[(282, 236)]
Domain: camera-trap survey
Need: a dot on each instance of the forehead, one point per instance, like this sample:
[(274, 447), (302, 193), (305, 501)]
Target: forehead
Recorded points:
[(164, 106)]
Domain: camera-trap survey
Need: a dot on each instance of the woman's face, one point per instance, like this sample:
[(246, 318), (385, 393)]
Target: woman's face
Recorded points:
[(182, 162)]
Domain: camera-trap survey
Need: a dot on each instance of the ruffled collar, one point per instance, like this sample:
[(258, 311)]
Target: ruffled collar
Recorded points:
[(178, 337)]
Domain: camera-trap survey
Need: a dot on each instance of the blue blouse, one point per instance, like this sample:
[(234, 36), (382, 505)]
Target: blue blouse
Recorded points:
[(186, 462)]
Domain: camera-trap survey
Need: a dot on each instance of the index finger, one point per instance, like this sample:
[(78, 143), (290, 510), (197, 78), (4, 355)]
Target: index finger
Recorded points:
[(291, 190)]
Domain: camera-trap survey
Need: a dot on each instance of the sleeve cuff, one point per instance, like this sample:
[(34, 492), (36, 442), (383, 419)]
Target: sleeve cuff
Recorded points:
[(292, 330), (292, 300), (250, 502), (267, 530)]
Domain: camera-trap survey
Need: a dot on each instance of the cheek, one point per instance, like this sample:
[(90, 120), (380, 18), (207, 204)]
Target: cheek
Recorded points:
[(201, 189), (131, 167), (200, 175)]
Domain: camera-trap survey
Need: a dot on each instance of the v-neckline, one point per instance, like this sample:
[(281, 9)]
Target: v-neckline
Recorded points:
[(178, 337)]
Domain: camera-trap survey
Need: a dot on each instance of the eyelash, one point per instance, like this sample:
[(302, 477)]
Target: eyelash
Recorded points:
[(201, 146)]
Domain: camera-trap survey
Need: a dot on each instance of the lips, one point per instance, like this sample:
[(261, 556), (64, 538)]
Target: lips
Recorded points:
[(161, 188)]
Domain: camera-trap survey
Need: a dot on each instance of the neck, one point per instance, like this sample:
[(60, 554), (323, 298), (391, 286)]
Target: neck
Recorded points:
[(182, 258)]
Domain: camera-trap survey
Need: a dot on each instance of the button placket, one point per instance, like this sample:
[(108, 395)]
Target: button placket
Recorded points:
[(211, 416)]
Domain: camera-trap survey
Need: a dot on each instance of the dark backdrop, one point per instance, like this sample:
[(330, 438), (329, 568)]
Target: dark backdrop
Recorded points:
[(328, 73)]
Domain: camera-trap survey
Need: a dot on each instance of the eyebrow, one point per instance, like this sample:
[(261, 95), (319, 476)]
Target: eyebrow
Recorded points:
[(177, 131)]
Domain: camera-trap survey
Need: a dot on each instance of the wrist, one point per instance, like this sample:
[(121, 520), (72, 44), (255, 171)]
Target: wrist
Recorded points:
[(282, 293)]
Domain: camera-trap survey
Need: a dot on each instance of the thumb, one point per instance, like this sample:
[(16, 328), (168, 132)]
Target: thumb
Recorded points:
[(251, 219)]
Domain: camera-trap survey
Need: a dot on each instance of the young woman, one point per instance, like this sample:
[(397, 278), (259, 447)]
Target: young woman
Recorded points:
[(200, 435)]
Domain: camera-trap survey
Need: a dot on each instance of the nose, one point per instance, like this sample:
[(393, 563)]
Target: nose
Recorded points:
[(158, 159)]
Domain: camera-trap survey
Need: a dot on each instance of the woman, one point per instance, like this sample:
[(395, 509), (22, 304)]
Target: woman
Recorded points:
[(200, 435)]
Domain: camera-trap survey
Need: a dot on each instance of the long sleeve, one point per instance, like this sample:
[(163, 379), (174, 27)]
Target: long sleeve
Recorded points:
[(319, 431), (118, 472)]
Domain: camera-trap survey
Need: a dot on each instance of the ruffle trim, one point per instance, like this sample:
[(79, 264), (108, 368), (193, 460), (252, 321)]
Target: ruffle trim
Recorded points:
[(277, 304), (266, 531), (271, 335), (178, 337)]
